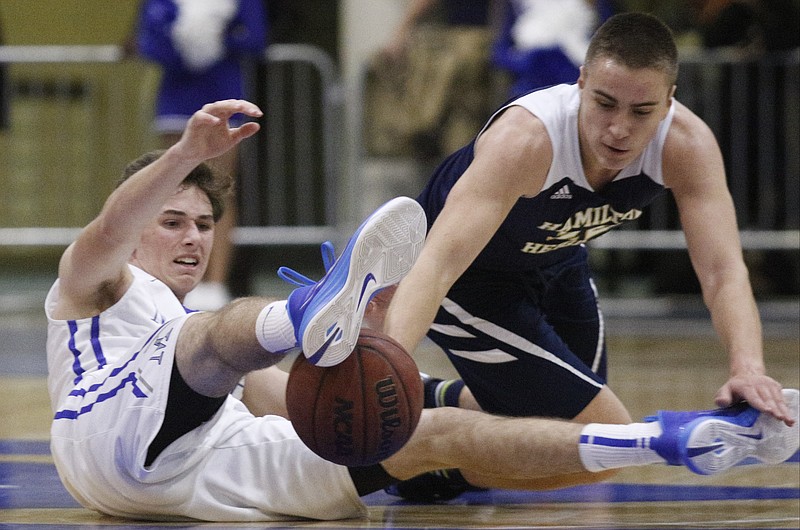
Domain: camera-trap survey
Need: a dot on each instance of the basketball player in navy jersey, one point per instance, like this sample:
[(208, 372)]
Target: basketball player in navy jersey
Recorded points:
[(503, 284)]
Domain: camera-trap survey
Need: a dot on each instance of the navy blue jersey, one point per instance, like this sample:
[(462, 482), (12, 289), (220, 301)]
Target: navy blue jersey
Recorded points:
[(522, 325), (567, 212)]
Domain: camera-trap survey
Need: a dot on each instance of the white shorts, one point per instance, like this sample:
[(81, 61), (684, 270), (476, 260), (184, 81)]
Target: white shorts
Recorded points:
[(235, 467)]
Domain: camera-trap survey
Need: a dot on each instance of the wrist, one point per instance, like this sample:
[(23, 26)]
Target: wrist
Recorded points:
[(179, 155), (747, 368)]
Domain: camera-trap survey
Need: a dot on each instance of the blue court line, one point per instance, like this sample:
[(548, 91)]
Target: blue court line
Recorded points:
[(31, 485), (24, 447), (608, 493)]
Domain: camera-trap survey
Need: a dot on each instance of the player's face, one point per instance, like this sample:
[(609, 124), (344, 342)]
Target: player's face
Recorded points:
[(175, 247), (619, 113)]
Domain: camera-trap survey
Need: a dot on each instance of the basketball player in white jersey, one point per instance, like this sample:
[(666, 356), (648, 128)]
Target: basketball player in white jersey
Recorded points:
[(145, 425)]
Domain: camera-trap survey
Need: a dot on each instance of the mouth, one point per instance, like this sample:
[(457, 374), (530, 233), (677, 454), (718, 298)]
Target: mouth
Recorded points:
[(616, 150), (188, 262)]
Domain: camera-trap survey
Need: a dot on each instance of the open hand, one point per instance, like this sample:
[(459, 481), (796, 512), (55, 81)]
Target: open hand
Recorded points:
[(208, 134), (760, 391)]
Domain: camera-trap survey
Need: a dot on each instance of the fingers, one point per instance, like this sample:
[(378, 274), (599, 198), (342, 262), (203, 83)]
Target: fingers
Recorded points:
[(762, 400), (761, 392), (723, 397), (780, 409), (769, 399), (245, 131), (209, 134), (224, 109)]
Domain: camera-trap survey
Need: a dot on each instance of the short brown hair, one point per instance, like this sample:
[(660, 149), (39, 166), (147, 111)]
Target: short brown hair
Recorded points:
[(637, 40), (211, 182)]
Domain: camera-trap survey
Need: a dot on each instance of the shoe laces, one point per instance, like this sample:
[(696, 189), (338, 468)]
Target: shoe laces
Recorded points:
[(300, 280)]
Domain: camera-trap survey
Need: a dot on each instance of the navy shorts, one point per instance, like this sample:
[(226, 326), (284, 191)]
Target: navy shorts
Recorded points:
[(526, 343)]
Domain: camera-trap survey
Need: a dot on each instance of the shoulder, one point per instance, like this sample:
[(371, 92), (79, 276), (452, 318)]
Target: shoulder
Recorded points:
[(79, 299), (515, 152), (691, 150), (688, 134), (690, 141), (516, 128)]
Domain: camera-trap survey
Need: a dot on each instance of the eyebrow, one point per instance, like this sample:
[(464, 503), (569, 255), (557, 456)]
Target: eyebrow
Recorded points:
[(610, 97), (181, 213)]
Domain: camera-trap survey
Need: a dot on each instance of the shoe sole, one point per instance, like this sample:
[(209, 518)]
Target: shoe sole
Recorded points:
[(712, 445), (380, 253)]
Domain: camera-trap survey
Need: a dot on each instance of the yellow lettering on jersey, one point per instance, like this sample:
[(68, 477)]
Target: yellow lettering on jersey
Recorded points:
[(580, 228)]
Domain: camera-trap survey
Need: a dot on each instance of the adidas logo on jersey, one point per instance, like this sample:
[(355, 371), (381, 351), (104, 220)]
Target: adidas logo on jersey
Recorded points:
[(562, 193)]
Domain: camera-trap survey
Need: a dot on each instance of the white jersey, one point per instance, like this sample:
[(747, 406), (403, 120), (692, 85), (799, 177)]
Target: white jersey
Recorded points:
[(75, 347), (109, 383), (558, 107)]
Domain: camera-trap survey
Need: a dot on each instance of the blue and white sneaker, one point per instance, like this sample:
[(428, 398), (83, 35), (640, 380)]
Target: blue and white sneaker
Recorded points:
[(327, 314), (709, 442)]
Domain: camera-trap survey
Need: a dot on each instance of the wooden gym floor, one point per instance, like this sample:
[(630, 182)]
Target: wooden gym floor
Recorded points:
[(674, 364)]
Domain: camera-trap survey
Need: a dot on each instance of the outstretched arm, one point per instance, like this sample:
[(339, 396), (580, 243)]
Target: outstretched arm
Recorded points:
[(511, 160), (694, 170), (93, 271)]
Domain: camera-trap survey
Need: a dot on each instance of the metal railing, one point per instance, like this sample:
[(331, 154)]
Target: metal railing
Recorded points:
[(84, 112), (79, 113)]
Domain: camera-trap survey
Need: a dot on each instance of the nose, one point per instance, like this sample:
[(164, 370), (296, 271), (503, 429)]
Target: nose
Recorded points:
[(619, 126), (191, 235)]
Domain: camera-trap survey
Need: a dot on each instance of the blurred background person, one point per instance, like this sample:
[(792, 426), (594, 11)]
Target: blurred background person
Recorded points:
[(428, 88), (202, 47), (542, 43)]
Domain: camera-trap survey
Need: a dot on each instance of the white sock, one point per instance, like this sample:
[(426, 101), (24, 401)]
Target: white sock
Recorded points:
[(605, 446), (274, 330)]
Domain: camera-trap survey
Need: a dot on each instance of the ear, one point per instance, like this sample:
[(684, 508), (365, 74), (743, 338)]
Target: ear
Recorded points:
[(670, 95), (582, 77)]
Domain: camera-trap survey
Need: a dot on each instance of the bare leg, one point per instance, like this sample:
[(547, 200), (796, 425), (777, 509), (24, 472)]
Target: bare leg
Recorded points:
[(504, 451), (460, 438), (544, 483), (604, 408), (265, 392), (467, 401), (215, 350), (493, 452)]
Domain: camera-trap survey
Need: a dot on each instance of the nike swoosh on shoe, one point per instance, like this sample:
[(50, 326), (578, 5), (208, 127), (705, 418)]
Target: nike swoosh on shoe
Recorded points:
[(758, 436), (697, 451), (369, 278), (314, 359)]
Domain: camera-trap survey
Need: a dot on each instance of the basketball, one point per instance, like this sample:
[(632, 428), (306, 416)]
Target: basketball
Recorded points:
[(360, 411)]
